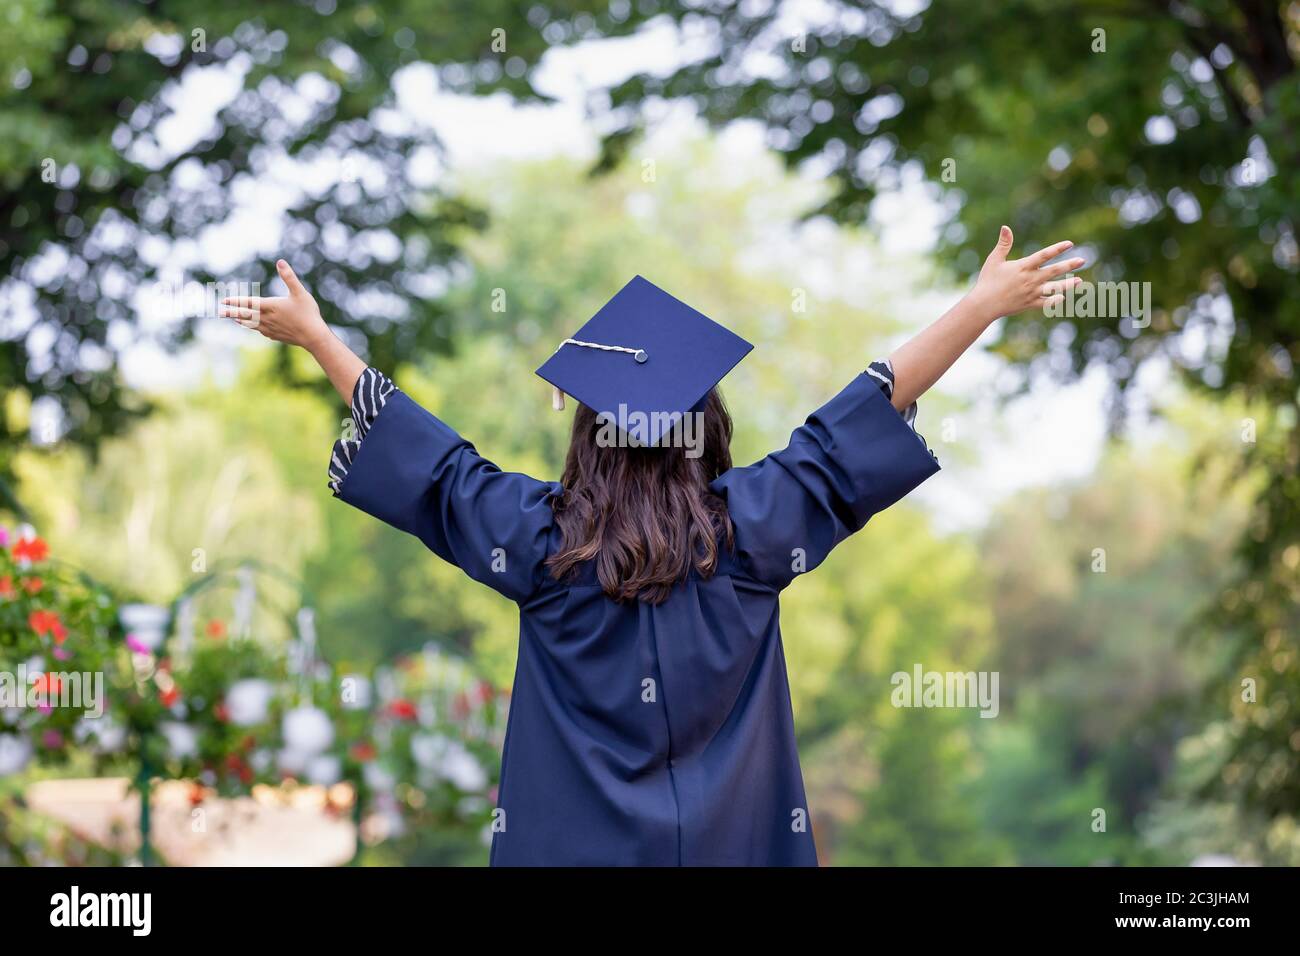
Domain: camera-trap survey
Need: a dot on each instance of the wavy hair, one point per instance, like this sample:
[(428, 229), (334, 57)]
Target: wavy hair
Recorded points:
[(645, 516)]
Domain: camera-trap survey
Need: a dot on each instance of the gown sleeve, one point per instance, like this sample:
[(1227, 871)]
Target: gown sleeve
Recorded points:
[(414, 472), (853, 458)]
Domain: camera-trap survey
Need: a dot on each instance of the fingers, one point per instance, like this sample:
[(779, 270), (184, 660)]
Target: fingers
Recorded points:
[(1042, 255), (247, 301), (236, 312), (1000, 251), (1061, 268), (290, 278), (1050, 289)]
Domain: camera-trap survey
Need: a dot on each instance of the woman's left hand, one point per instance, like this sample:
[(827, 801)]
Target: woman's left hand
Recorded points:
[(1007, 286)]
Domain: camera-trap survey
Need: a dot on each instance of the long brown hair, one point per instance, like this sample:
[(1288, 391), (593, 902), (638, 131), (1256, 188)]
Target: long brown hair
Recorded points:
[(645, 516)]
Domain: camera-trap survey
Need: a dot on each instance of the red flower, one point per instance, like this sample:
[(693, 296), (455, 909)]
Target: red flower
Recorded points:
[(403, 709), (460, 706), (170, 696), (6, 586), (363, 751), (216, 629), (221, 712), (49, 685), (47, 622), (33, 549), (485, 691), (33, 585), (236, 765)]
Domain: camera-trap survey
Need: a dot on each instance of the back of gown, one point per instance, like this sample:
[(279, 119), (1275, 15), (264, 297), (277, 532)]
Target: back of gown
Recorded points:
[(647, 734)]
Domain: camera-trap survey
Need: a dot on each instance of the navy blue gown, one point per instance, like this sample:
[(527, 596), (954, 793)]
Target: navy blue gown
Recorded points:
[(641, 734)]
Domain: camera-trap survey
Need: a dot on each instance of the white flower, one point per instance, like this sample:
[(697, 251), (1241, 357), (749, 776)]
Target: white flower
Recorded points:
[(106, 735), (308, 729), (460, 767), (377, 778), (324, 770), (449, 760), (182, 739), (248, 701), (355, 692), (292, 761), (427, 750), (14, 754), (148, 622)]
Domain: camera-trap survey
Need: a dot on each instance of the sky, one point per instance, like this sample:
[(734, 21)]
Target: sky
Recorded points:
[(1053, 433)]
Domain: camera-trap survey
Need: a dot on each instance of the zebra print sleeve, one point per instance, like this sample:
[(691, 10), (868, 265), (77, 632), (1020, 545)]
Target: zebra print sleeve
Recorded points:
[(883, 372), (368, 397)]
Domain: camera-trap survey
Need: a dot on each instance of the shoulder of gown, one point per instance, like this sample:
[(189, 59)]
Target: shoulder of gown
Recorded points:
[(411, 470), (853, 458)]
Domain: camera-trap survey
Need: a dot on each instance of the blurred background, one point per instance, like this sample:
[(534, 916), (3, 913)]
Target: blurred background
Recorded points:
[(1115, 531)]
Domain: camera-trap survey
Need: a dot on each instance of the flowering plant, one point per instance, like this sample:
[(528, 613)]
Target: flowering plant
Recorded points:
[(419, 742), (64, 673)]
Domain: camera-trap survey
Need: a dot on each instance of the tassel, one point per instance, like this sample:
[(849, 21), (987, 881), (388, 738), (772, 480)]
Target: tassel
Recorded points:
[(557, 398)]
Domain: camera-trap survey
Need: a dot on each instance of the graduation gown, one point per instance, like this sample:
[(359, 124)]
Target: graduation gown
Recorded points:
[(647, 734)]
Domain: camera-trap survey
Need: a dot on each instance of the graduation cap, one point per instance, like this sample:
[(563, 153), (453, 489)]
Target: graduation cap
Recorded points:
[(646, 359)]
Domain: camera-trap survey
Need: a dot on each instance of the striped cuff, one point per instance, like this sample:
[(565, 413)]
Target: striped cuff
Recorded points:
[(883, 372), (368, 397)]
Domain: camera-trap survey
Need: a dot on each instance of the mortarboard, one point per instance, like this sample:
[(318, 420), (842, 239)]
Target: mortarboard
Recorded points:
[(645, 358)]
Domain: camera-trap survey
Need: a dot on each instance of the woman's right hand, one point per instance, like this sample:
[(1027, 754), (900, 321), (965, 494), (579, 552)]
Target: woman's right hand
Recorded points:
[(294, 318)]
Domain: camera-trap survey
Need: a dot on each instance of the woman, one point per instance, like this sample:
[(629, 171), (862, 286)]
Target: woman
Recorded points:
[(650, 721)]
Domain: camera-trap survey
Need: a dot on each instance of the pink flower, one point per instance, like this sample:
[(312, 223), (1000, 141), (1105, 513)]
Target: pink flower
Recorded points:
[(52, 739), (137, 645), (61, 654), (4, 537)]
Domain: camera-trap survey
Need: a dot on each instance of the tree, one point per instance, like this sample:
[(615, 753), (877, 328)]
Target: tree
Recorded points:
[(1163, 136), (1100, 647), (108, 179)]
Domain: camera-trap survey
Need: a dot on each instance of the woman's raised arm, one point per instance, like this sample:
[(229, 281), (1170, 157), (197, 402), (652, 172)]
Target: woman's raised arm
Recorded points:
[(1005, 287)]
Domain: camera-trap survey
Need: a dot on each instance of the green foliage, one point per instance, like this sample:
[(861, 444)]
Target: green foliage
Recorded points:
[(102, 193), (1102, 674), (1043, 808), (1161, 137), (1102, 649)]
